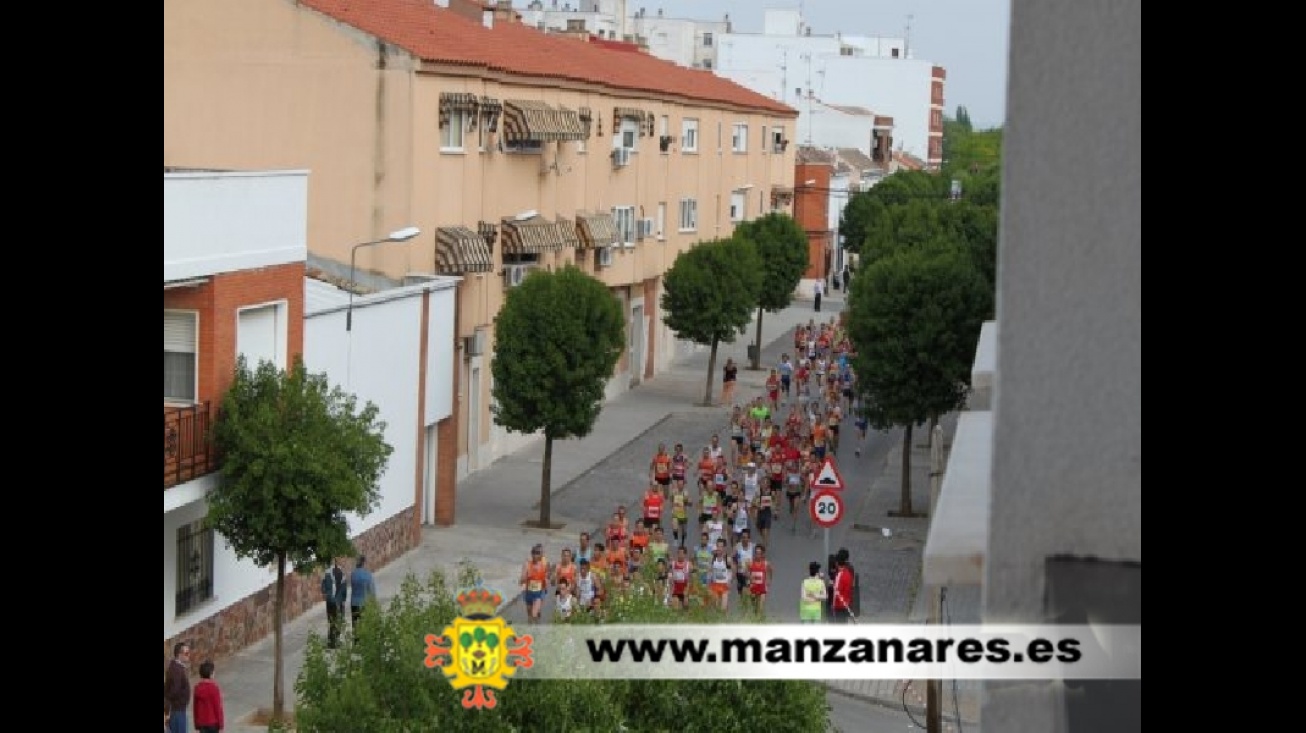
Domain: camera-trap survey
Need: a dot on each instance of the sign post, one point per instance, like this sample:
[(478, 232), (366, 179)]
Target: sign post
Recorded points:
[(826, 509)]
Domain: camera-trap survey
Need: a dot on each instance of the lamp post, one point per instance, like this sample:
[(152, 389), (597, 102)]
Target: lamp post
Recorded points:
[(399, 235)]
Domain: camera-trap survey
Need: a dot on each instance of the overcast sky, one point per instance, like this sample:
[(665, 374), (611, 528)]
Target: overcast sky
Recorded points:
[(967, 37)]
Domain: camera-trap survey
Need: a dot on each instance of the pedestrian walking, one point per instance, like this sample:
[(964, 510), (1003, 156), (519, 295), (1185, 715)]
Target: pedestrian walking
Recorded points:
[(818, 290), (209, 716), (362, 586), (334, 592), (176, 688)]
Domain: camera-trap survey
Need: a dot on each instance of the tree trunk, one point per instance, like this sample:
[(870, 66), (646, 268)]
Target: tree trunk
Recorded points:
[(546, 477), (711, 374), (278, 668), (904, 502), (757, 354)]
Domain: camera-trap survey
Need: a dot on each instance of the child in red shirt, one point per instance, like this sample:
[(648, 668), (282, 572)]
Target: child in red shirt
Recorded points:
[(207, 705)]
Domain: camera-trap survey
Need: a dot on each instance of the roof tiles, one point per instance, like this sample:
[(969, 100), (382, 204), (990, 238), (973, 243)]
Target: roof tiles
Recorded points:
[(439, 35)]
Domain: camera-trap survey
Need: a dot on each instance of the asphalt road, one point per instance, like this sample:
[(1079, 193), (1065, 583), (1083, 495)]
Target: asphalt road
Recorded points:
[(848, 715), (792, 548)]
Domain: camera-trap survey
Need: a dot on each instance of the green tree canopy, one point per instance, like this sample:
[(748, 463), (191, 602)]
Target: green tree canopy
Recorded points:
[(557, 339), (782, 247), (381, 686), (297, 455), (914, 319), (709, 294)]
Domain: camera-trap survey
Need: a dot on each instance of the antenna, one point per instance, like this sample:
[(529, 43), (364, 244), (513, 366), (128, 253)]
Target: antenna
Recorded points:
[(808, 58), (906, 40), (784, 76)]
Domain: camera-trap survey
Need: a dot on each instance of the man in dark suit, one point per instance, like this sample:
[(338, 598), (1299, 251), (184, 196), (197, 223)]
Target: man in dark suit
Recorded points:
[(334, 591)]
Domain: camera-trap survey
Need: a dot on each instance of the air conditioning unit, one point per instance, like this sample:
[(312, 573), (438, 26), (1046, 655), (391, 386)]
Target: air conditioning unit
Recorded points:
[(620, 157), (605, 256), (513, 275), (664, 143), (474, 345), (644, 228)]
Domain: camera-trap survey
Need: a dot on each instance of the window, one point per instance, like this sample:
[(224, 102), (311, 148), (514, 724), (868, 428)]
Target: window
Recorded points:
[(718, 138), (707, 63), (764, 139), (688, 215), (707, 40), (738, 202), (525, 147), (452, 134), (689, 136), (180, 329), (739, 139), (936, 119), (194, 565), (624, 216), (626, 135), (661, 221), (777, 140), (261, 334), (664, 126)]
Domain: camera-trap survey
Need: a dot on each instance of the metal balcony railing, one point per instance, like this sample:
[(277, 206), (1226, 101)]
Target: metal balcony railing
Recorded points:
[(187, 446)]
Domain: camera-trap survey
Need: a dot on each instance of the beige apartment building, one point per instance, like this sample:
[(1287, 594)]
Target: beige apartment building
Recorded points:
[(511, 149)]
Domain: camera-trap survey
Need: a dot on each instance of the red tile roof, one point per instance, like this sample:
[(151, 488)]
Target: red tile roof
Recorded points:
[(440, 35)]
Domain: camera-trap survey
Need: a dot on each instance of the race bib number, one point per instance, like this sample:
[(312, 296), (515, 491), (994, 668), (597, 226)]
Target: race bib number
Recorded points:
[(535, 586)]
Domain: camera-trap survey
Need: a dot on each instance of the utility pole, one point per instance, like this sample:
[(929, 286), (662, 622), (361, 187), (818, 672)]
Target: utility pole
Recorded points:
[(934, 688)]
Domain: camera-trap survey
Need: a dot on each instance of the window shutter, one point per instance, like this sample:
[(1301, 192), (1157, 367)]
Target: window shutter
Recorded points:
[(179, 332)]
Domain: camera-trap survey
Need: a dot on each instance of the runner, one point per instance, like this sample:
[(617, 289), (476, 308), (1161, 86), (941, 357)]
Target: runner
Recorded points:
[(660, 467), (752, 482), (773, 390), (743, 557), (564, 603), (589, 589), (715, 527), (657, 546), (703, 559), (709, 500), (811, 595), (679, 466), (794, 487), (680, 571), (584, 551), (680, 505), (566, 569), (760, 573), (786, 370), (534, 580), (653, 505), (720, 570), (765, 507)]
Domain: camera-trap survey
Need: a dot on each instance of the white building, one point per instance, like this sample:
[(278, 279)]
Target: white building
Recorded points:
[(234, 283), (812, 72)]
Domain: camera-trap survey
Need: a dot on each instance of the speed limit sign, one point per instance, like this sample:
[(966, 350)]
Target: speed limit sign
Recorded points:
[(826, 508)]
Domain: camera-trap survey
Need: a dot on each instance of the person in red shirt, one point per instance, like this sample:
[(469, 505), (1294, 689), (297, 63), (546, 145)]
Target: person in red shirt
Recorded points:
[(841, 590), (207, 707), (773, 390), (759, 577), (653, 501), (660, 466), (681, 570)]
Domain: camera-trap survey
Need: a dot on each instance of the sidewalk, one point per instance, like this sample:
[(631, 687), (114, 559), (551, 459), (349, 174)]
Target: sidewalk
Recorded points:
[(493, 502)]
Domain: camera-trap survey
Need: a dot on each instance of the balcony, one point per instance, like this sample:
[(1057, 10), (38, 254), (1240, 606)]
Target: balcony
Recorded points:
[(187, 446)]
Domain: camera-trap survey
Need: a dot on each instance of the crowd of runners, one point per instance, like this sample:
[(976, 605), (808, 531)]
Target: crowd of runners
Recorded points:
[(705, 518)]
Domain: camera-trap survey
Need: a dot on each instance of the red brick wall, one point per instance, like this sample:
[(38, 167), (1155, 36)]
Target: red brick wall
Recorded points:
[(446, 476), (812, 211), (250, 619), (217, 302)]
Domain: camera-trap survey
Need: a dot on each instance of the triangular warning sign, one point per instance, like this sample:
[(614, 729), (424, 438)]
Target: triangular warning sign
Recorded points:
[(829, 477)]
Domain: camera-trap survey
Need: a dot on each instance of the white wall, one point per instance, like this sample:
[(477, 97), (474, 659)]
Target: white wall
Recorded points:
[(899, 88), (232, 579), (835, 129), (221, 222), (440, 356)]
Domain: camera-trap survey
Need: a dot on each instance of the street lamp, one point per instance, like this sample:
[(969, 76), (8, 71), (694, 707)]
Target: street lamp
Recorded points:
[(399, 235)]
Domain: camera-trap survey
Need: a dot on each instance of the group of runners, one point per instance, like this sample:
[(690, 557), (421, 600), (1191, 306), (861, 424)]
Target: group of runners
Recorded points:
[(736, 493)]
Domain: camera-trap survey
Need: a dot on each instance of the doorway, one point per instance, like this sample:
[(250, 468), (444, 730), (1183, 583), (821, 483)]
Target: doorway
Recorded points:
[(474, 420), (431, 445), (637, 342)]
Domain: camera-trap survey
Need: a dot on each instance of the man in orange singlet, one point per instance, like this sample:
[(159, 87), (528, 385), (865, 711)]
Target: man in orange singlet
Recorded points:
[(534, 582), (660, 467)]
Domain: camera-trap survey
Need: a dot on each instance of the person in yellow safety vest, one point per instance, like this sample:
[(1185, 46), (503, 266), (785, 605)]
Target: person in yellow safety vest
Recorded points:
[(811, 601)]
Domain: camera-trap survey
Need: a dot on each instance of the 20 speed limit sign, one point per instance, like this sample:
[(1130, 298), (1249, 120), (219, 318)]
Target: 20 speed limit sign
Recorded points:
[(826, 508)]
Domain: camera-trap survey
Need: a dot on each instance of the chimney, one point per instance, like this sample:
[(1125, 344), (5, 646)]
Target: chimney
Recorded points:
[(503, 12)]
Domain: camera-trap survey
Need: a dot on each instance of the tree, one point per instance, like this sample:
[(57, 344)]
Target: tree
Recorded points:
[(963, 117), (297, 455), (867, 214), (914, 320), (709, 293), (782, 247), (557, 340), (367, 691)]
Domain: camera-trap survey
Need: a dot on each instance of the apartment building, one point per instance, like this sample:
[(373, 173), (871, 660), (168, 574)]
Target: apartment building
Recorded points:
[(509, 148)]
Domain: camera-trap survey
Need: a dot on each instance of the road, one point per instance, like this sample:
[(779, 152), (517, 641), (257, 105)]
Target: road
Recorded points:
[(790, 549), (848, 715)]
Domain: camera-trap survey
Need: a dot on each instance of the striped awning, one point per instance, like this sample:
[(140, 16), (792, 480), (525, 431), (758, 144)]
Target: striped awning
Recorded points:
[(567, 232), (531, 121), (639, 116), (451, 102), (491, 109), (459, 250), (782, 195), (596, 230), (533, 236)]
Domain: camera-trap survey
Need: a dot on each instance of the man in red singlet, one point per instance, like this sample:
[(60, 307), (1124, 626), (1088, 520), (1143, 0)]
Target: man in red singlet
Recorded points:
[(760, 573), (681, 568), (653, 507)]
